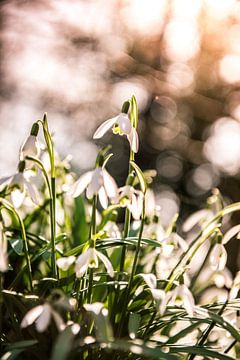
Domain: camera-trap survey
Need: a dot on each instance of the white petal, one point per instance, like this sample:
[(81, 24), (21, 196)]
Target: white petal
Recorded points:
[(81, 271), (17, 180), (195, 218), (124, 123), (133, 140), (180, 241), (44, 319), (218, 257), (5, 180), (58, 320), (150, 280), (164, 302), (33, 192), (230, 234), (30, 147), (17, 197), (96, 307), (188, 300), (103, 197), (150, 203), (106, 263), (134, 208), (65, 262), (31, 316), (110, 185), (82, 263), (104, 127), (80, 185), (93, 259), (158, 294)]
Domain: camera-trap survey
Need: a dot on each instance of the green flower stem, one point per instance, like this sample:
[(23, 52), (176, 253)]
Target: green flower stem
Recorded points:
[(93, 230), (53, 227), (9, 207), (134, 266), (52, 201), (125, 235), (127, 219)]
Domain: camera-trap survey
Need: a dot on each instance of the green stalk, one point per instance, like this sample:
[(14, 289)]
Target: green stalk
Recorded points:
[(52, 202), (53, 227), (134, 266), (93, 230), (125, 235)]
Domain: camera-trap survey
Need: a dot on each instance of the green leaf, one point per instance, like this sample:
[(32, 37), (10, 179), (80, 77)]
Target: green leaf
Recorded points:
[(133, 325), (46, 255), (173, 339), (199, 350), (80, 226), (63, 344), (140, 176), (141, 349), (17, 245), (21, 344)]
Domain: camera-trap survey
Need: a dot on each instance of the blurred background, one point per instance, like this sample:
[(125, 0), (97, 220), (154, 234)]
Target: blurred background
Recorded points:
[(79, 60)]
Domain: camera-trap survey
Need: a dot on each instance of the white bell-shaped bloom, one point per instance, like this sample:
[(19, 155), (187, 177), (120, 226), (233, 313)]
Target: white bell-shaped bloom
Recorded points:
[(30, 147), (98, 181), (20, 185), (41, 316), (180, 295), (64, 263), (218, 257), (3, 251), (132, 199), (125, 128), (89, 259)]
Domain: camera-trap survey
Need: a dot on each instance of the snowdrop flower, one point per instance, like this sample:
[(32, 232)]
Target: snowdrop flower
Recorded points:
[(41, 315), (20, 184), (181, 294), (112, 230), (97, 181), (31, 146), (3, 251), (89, 259), (121, 125), (132, 199), (65, 262), (218, 257)]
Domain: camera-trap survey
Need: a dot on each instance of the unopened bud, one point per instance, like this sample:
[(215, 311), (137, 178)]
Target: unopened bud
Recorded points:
[(35, 129), (21, 166), (125, 107)]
